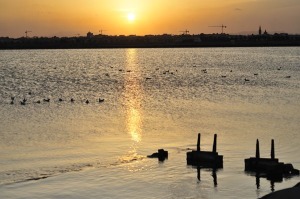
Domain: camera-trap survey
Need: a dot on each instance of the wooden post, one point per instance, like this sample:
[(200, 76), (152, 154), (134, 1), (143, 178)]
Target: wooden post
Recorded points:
[(198, 142), (215, 144), (257, 149), (272, 150)]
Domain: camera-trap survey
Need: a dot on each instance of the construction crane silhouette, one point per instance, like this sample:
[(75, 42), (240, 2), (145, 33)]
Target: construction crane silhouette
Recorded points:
[(26, 33), (185, 32), (222, 26), (101, 31)]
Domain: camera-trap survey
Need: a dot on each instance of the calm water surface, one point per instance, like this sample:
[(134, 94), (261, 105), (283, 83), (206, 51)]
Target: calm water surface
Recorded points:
[(154, 98)]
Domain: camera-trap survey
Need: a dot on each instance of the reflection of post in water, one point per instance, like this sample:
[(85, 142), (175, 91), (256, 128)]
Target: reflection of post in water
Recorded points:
[(257, 181), (214, 175), (198, 173), (272, 186)]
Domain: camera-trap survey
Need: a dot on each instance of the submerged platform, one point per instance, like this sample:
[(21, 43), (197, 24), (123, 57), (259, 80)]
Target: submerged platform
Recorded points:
[(161, 155), (269, 166), (206, 159)]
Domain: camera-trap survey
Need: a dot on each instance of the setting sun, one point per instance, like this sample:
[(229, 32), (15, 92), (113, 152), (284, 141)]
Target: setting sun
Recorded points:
[(126, 17), (131, 17)]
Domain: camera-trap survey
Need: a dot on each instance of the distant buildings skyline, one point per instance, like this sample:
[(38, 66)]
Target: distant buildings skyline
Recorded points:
[(32, 33), (90, 34), (152, 41)]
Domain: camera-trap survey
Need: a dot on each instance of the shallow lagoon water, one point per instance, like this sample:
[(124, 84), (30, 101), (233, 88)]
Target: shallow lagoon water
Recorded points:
[(154, 98)]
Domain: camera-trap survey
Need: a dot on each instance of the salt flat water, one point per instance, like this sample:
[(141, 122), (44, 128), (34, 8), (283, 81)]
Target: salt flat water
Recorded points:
[(153, 98)]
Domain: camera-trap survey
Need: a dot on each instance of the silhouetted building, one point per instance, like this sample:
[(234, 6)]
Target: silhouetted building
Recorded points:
[(259, 30), (89, 35), (154, 41)]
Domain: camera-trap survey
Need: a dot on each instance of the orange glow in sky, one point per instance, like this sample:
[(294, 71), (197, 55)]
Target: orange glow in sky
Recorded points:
[(140, 17)]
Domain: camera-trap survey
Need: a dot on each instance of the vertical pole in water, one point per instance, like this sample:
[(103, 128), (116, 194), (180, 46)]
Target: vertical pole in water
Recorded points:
[(257, 149), (215, 144), (198, 142), (272, 150)]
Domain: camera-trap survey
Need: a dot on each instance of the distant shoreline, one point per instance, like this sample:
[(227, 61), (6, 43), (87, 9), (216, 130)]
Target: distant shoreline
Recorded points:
[(151, 41)]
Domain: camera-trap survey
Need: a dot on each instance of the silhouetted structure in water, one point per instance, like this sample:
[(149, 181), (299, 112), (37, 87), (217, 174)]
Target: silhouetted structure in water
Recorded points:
[(270, 168), (205, 159), (161, 155)]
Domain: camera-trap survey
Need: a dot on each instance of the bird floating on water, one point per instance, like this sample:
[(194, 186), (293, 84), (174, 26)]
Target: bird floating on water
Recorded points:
[(204, 70), (12, 100)]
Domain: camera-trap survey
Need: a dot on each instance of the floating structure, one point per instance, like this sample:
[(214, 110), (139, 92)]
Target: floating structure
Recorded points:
[(269, 166), (161, 155), (207, 159)]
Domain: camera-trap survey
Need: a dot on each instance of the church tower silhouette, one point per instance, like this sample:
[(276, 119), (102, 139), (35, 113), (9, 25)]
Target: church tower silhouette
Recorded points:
[(259, 30)]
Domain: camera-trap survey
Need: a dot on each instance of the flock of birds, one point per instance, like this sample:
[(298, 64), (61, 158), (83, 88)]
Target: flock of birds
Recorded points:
[(100, 100), (46, 100), (245, 79)]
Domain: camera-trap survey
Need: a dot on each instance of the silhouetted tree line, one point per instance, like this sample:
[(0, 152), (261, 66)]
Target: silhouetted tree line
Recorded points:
[(150, 41)]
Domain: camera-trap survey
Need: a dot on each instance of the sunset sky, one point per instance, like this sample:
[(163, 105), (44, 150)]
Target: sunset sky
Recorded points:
[(115, 17)]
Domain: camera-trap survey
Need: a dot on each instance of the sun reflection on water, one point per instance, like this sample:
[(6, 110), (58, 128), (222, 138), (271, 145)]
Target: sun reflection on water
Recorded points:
[(133, 95), (134, 124)]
